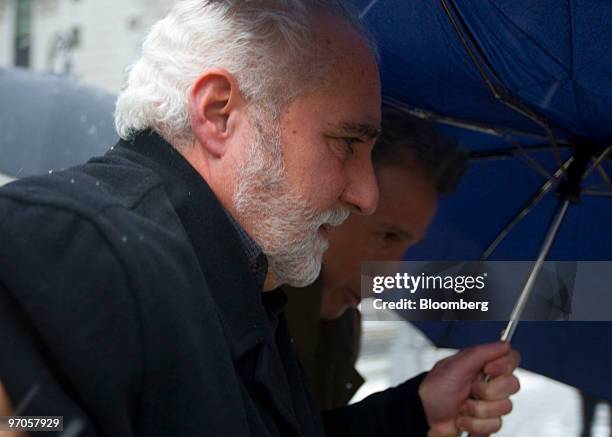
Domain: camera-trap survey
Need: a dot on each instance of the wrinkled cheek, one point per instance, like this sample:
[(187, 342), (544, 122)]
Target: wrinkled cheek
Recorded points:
[(327, 185)]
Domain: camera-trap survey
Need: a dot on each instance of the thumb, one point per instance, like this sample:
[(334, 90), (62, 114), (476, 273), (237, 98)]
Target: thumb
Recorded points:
[(472, 360)]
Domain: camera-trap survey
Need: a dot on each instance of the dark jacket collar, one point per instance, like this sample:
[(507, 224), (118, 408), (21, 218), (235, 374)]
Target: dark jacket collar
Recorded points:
[(222, 259)]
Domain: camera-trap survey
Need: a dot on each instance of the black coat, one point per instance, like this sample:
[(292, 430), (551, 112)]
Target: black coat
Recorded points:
[(127, 306)]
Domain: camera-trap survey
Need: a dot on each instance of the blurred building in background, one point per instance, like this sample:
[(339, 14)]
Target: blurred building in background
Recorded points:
[(92, 40)]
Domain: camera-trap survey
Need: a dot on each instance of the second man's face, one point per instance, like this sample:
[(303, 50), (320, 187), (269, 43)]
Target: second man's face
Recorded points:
[(407, 206)]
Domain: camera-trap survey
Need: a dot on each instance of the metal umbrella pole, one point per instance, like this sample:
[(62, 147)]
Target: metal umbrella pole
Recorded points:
[(519, 307), (521, 302), (569, 190)]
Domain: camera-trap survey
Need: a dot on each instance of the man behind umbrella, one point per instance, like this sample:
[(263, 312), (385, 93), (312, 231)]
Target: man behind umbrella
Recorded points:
[(131, 287)]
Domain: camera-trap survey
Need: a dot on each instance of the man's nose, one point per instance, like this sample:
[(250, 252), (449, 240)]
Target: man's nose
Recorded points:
[(361, 193)]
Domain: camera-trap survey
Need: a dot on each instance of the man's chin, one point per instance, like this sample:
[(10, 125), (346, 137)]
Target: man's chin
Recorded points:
[(302, 274), (300, 267), (304, 279)]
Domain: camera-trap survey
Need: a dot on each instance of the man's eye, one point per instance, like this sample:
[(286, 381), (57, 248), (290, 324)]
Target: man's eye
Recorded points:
[(350, 142)]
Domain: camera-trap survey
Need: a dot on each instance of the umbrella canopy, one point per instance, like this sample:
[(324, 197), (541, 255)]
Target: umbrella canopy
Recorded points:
[(525, 71), (51, 122), (554, 56)]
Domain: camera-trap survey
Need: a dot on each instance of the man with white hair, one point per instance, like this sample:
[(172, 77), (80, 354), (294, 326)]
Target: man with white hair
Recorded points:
[(139, 292)]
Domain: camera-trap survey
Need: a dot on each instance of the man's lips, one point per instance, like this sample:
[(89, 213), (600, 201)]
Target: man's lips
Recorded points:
[(325, 230)]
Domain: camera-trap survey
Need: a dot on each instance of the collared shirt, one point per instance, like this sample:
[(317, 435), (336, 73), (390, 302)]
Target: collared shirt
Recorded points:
[(258, 263)]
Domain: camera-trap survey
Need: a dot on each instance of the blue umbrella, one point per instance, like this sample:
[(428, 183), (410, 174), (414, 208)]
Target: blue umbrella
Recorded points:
[(554, 56), (527, 88)]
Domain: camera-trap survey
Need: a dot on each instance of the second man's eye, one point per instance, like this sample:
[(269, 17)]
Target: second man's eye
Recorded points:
[(391, 236)]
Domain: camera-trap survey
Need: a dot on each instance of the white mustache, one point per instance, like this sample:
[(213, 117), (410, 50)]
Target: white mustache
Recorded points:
[(334, 217)]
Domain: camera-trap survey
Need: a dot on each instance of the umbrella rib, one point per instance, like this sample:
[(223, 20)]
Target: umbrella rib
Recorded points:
[(483, 128), (501, 94), (461, 31), (596, 164), (596, 193), (367, 9), (603, 174), (507, 152), (599, 186), (531, 203), (531, 162)]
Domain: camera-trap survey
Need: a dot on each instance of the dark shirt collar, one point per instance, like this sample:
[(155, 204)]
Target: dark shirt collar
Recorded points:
[(258, 262), (225, 257)]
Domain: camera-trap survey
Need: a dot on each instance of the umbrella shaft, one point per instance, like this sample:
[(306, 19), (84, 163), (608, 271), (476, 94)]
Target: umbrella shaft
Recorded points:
[(517, 312), (524, 297)]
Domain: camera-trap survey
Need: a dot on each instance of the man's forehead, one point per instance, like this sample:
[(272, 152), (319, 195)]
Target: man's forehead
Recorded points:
[(352, 82)]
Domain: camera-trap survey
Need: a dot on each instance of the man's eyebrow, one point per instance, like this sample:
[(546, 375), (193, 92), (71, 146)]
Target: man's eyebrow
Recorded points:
[(364, 131)]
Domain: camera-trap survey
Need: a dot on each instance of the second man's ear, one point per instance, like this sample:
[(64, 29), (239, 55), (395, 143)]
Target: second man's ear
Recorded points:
[(213, 98)]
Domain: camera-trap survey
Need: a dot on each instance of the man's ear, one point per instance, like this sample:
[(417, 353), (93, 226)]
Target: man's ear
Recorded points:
[(212, 100)]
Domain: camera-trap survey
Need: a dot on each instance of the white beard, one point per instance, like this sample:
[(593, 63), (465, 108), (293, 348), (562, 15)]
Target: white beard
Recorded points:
[(280, 220)]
